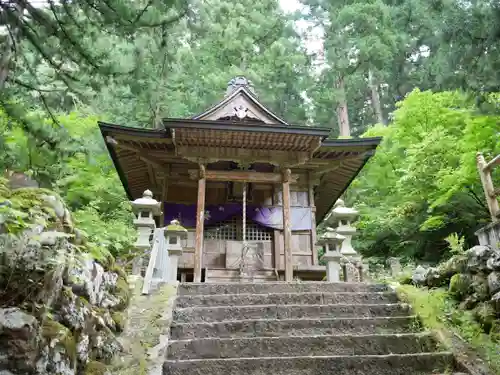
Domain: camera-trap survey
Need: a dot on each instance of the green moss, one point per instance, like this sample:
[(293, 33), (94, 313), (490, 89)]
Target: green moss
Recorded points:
[(95, 368), (149, 324), (118, 270), (107, 261), (120, 320), (83, 300), (175, 226), (480, 287), (122, 291), (459, 286), (52, 330)]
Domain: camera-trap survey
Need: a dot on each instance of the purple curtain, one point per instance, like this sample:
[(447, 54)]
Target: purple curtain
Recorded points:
[(271, 217)]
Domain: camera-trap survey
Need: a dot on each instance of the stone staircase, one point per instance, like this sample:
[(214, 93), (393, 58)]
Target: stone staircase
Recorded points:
[(309, 328)]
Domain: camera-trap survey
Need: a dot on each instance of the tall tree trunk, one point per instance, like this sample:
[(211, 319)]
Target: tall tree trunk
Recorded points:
[(342, 114), (11, 38), (156, 105), (5, 62), (377, 108)]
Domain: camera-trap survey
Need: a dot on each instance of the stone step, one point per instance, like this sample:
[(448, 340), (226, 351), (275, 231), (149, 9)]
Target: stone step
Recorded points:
[(292, 327), (255, 347), (228, 313), (286, 299), (277, 287), (393, 364)]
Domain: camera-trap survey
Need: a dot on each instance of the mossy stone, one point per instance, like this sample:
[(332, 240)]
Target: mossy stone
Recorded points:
[(118, 270), (120, 320), (95, 368), (460, 286), (52, 330), (480, 287), (122, 291)]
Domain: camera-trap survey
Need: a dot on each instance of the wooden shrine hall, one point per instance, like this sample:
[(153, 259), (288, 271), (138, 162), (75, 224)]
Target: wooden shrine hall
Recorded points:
[(249, 187)]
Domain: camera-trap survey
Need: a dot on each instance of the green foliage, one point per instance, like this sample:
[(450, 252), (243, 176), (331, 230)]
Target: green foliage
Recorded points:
[(422, 185), (456, 244), (440, 314), (82, 174)]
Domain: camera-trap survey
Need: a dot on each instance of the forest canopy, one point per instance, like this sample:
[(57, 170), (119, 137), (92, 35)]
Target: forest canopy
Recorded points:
[(424, 74)]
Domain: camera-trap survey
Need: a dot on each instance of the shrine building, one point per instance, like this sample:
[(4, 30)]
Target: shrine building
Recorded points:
[(249, 187)]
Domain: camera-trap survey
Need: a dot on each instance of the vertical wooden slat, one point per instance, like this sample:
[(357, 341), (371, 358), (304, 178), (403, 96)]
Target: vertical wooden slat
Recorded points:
[(200, 222), (166, 180), (287, 230), (315, 260)]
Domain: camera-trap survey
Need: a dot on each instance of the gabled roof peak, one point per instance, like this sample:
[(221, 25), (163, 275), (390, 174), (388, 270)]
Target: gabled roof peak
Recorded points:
[(237, 82), (240, 104)]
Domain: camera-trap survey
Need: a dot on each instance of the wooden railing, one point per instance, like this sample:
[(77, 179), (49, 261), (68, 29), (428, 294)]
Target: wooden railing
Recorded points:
[(490, 192)]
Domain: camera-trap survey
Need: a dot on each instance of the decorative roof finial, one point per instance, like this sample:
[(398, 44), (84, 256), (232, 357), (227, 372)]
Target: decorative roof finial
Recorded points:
[(238, 82)]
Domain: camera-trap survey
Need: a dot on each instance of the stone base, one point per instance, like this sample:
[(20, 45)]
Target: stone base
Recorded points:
[(234, 276), (490, 235)]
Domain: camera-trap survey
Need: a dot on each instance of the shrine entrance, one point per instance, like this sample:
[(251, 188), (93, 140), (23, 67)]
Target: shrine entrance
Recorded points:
[(249, 187)]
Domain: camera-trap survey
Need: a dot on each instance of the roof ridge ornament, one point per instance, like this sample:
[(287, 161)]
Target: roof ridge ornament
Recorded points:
[(237, 82), (241, 112)]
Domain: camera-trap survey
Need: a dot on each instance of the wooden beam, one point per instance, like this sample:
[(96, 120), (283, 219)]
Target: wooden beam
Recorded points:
[(200, 223), (166, 182), (213, 153), (140, 154), (287, 228), (276, 235), (152, 177), (243, 176)]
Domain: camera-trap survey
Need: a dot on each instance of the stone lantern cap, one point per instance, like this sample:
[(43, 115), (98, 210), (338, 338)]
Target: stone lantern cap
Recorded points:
[(331, 237), (147, 202), (176, 229), (341, 211)]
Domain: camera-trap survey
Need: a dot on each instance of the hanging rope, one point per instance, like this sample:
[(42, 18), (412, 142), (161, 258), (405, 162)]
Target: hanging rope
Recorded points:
[(244, 214), (244, 221)]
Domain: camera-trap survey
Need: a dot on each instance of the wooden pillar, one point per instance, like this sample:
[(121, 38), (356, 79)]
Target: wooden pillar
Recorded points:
[(315, 259), (487, 182), (287, 228), (200, 222), (276, 233)]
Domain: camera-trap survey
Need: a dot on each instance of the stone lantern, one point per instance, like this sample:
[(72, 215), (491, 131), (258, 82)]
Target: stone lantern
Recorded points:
[(331, 242), (343, 218), (146, 208), (174, 234)]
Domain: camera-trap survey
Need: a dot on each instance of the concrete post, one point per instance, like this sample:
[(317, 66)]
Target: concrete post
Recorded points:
[(332, 242), (146, 208), (174, 233)]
